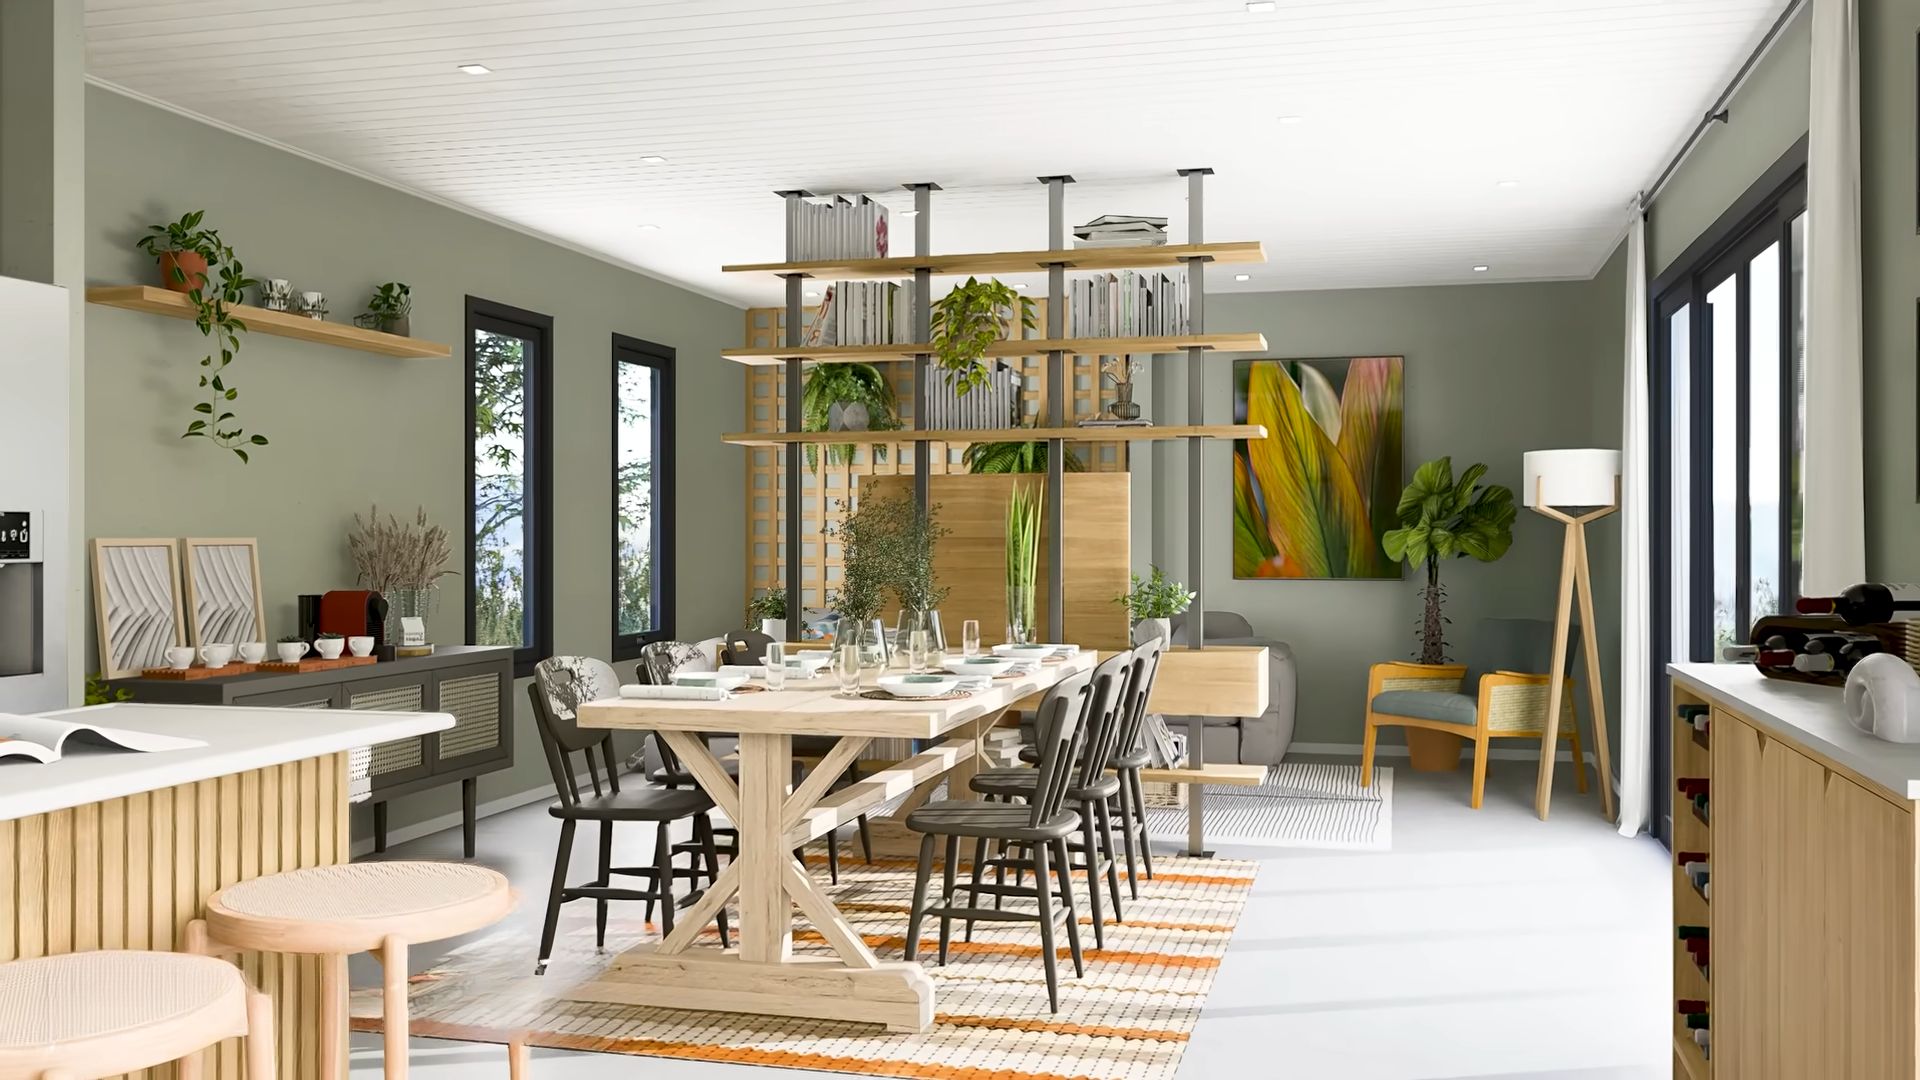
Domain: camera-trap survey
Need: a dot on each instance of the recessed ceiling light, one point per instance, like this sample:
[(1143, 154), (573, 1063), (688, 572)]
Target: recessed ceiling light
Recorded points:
[(907, 213), (1481, 269), (812, 293), (1260, 7), (1243, 277), (1507, 184), (653, 159), (1019, 284), (476, 69), (648, 227), (1293, 119)]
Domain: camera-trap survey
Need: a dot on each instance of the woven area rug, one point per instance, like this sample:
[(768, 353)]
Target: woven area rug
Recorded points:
[(1128, 1019), (1300, 805)]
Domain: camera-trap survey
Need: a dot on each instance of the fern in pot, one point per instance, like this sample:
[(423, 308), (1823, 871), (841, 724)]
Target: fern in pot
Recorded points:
[(847, 397)]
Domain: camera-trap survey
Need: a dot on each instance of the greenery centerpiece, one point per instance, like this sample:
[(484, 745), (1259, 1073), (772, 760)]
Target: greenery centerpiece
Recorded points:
[(967, 320), (1024, 507), (195, 261), (402, 561), (1444, 518), (861, 394), (866, 574), (389, 310), (1156, 600)]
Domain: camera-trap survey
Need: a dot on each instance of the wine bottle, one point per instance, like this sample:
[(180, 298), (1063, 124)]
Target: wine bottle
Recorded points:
[(1690, 1005), (1813, 663), (1687, 932), (1696, 1021), (1859, 605), (1739, 654)]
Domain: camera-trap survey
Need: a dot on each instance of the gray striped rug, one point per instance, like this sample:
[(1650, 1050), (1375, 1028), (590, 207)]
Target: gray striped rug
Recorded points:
[(1300, 805)]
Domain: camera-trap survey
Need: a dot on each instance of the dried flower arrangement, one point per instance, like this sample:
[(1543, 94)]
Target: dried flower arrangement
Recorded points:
[(393, 554)]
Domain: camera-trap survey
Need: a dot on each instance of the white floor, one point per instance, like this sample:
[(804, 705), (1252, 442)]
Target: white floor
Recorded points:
[(1485, 944)]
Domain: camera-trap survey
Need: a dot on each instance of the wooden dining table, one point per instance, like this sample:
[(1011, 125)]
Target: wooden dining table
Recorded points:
[(774, 817)]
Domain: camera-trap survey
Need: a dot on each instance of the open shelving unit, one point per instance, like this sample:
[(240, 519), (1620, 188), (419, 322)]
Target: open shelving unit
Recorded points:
[(1140, 257), (1114, 346), (975, 435), (154, 300)]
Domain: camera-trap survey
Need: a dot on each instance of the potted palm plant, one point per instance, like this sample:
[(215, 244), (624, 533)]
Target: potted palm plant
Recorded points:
[(970, 318), (847, 397)]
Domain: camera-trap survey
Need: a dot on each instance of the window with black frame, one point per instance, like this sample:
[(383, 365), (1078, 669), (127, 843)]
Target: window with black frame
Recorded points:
[(642, 494), (1728, 412), (509, 472)]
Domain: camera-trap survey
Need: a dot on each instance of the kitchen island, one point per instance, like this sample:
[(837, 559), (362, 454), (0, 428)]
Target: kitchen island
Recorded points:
[(108, 849)]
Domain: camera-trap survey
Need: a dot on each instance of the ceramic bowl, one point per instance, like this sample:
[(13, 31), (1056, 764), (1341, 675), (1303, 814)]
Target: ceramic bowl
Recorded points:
[(1024, 652), (708, 678), (918, 686), (988, 666), (809, 663)]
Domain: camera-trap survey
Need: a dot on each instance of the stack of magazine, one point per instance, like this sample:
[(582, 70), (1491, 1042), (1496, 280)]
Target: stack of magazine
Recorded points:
[(863, 313), (1120, 230), (841, 228), (1128, 304)]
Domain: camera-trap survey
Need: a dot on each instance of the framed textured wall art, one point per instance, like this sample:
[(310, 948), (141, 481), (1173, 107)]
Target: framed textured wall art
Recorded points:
[(1312, 499), (136, 598), (224, 605)]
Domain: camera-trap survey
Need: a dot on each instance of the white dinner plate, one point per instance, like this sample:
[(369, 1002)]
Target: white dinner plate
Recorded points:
[(918, 686)]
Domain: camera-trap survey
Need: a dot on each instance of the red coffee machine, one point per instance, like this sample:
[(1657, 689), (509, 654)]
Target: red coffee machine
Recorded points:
[(353, 613)]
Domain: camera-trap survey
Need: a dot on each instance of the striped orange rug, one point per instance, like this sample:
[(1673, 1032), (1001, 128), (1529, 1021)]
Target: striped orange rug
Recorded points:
[(1128, 1019)]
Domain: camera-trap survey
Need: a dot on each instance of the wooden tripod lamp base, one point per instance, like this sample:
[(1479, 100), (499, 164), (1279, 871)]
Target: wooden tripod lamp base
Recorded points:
[(1574, 487)]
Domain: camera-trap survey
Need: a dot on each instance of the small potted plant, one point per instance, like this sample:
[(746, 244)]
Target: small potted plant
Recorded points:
[(184, 251), (290, 648), (389, 310), (1153, 603), (847, 397), (770, 608), (970, 318), (329, 645)]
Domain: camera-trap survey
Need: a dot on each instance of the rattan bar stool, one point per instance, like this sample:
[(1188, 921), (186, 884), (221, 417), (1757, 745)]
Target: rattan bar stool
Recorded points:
[(85, 1015), (377, 907)]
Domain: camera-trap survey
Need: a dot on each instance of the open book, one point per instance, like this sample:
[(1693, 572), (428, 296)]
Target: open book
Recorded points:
[(43, 739)]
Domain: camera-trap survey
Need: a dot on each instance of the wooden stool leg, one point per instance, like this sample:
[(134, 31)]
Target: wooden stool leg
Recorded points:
[(518, 1062), (333, 1017), (261, 1050), (393, 958), (1479, 771)]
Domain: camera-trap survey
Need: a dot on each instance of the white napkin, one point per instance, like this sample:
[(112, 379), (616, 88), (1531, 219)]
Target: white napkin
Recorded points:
[(751, 671), (677, 693), (971, 683)]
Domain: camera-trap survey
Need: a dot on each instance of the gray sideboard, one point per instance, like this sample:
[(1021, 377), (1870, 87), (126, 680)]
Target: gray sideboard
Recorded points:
[(473, 682)]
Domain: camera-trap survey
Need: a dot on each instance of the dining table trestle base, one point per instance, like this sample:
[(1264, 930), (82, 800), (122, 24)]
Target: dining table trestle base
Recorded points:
[(898, 994)]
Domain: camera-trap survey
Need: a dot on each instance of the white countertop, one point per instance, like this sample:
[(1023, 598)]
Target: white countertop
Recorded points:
[(1811, 715), (238, 740)]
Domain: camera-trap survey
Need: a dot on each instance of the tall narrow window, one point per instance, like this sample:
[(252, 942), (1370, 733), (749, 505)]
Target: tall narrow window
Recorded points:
[(642, 494), (509, 469)]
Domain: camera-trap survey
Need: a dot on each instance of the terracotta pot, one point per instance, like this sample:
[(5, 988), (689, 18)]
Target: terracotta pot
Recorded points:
[(1434, 751), (190, 264)]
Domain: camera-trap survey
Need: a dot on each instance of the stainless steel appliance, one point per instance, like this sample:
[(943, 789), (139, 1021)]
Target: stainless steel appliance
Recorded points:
[(39, 576)]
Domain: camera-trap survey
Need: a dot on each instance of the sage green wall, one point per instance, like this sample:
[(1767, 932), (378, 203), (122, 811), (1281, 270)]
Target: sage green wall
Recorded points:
[(1891, 276), (1764, 120), (350, 429), (1492, 371)]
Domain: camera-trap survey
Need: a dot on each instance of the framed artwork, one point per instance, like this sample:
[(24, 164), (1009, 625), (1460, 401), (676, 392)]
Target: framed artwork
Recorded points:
[(136, 604), (224, 605), (1313, 498)]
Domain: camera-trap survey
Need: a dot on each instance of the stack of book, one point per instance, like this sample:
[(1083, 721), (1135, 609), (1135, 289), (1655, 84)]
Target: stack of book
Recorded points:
[(863, 313), (1120, 230), (841, 228), (1128, 304)]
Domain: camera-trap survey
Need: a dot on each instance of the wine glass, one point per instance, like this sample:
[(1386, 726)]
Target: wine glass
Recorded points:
[(847, 662), (970, 637), (776, 665)]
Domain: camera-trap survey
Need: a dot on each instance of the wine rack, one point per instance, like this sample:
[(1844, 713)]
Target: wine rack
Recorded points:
[(1692, 737)]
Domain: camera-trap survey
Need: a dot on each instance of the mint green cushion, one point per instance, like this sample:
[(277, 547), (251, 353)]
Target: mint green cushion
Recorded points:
[(1427, 705)]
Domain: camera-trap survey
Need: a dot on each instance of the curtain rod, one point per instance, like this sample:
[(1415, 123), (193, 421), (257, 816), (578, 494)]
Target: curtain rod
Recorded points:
[(1718, 113)]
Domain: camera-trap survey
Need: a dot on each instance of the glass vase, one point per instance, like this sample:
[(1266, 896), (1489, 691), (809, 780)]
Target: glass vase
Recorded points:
[(407, 604), (1020, 599)]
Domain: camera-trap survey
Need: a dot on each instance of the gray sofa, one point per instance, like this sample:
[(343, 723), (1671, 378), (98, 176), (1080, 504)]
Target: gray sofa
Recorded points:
[(1249, 740)]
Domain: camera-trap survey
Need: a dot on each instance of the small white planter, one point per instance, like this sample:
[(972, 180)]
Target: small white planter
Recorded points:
[(774, 628), (1152, 628)]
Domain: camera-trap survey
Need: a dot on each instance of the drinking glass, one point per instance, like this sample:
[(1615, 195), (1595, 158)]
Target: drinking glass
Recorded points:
[(919, 650), (847, 662), (776, 662), (970, 637)]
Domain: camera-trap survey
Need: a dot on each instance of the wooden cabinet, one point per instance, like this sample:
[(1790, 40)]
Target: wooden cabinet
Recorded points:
[(1813, 912)]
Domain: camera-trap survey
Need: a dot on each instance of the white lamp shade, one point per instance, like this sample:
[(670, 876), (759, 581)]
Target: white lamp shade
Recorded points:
[(1571, 477)]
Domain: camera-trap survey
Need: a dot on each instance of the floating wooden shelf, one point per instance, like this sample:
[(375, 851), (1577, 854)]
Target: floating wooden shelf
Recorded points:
[(959, 435), (1114, 346), (1142, 257), (157, 301)]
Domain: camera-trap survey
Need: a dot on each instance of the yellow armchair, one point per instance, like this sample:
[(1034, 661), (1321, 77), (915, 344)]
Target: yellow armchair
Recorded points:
[(1509, 704)]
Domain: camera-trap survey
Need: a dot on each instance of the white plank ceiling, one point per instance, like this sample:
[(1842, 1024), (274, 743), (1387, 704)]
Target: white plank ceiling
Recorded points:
[(1366, 142)]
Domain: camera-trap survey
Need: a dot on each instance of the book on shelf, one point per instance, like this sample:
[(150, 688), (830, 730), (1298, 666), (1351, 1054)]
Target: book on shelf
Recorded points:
[(1130, 303), (1121, 230), (1103, 421), (863, 313), (839, 227)]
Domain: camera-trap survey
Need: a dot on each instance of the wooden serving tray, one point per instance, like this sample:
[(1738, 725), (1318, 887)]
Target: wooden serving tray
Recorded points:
[(234, 667), (315, 663)]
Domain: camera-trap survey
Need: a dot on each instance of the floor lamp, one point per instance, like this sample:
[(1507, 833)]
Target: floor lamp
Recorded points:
[(1573, 487)]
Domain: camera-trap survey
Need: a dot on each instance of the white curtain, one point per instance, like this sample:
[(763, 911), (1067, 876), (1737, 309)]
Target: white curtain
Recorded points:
[(1635, 514), (1835, 553)]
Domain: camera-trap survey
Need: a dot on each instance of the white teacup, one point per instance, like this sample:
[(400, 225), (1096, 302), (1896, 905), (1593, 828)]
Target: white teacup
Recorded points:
[(290, 652), (252, 652), (180, 658), (329, 647), (360, 645), (216, 656)]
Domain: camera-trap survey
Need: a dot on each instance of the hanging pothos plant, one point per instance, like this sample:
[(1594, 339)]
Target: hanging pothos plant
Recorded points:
[(846, 384), (970, 318), (213, 294)]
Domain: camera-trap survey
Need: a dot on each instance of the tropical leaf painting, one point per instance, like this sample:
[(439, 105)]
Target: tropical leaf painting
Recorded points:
[(1313, 498)]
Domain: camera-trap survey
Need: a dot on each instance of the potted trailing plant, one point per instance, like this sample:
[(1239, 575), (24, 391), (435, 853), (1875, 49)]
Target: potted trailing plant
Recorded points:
[(846, 397), (1152, 604), (189, 255), (1444, 518), (402, 561), (388, 310), (1023, 557), (970, 318), (769, 608)]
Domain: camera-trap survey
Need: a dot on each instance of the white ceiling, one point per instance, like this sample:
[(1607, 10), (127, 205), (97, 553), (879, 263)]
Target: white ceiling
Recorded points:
[(1412, 113)]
